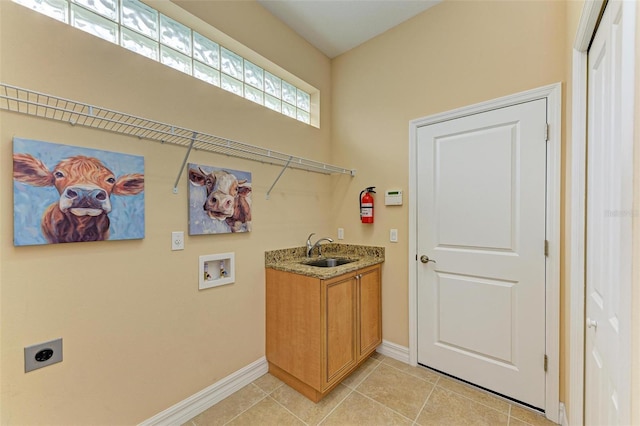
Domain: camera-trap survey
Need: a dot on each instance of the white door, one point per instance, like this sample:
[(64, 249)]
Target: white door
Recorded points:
[(608, 230), (481, 219)]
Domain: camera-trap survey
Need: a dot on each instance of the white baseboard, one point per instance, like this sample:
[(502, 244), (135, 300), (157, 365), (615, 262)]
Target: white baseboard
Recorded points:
[(201, 401), (392, 350), (187, 409), (562, 417)]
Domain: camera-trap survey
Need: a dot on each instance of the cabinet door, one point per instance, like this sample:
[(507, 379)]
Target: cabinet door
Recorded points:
[(340, 326), (294, 326), (369, 310)]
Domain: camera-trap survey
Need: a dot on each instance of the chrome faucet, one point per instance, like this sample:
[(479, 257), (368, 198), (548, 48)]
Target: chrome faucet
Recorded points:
[(310, 246)]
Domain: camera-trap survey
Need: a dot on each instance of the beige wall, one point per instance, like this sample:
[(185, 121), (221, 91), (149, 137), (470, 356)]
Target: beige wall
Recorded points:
[(138, 335), (456, 54)]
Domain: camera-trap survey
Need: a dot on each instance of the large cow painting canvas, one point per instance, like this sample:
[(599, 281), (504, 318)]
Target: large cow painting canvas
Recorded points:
[(219, 200), (65, 194)]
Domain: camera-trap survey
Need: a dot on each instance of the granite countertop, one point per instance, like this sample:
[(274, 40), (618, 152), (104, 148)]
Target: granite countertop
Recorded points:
[(289, 260)]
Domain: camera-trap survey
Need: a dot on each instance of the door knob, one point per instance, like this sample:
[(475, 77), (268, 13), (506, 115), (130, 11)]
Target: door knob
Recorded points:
[(425, 259), (592, 323)]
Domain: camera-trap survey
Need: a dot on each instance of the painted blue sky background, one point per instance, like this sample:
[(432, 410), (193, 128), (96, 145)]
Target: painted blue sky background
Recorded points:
[(30, 202)]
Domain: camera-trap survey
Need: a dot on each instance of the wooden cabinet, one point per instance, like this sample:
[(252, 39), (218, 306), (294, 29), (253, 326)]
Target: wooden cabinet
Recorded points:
[(369, 311), (319, 331)]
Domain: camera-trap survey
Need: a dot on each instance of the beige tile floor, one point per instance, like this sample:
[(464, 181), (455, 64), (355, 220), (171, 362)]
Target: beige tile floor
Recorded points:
[(382, 391)]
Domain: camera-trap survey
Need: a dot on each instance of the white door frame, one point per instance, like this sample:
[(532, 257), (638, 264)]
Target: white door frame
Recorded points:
[(586, 29), (553, 94)]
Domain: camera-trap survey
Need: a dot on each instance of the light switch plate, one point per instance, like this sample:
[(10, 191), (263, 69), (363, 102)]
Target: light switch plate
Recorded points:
[(177, 240), (341, 233), (393, 235)]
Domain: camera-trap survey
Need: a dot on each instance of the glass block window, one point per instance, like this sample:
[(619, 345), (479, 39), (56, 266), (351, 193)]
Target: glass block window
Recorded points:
[(140, 18), (289, 93), (273, 103), (56, 9), (254, 94), (106, 8), (175, 35), (272, 85), (231, 64), (288, 110), (94, 24), (205, 73), (254, 75), (139, 44), (175, 60), (142, 29), (206, 51), (232, 85)]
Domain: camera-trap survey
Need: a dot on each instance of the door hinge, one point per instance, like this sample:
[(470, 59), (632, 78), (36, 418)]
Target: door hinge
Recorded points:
[(546, 132), (546, 363), (546, 248)]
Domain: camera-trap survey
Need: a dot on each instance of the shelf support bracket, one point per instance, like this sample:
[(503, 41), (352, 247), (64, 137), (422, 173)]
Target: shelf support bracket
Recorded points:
[(184, 162), (279, 176)]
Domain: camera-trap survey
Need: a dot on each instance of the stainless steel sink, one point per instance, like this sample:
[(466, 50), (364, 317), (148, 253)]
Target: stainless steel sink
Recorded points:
[(328, 262)]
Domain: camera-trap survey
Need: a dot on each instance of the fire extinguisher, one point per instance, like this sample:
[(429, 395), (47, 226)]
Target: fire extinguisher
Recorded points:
[(366, 205)]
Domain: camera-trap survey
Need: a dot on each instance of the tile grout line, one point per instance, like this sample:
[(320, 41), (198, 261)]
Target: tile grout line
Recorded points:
[(510, 404), (266, 395), (479, 402), (413, 375), (352, 389), (337, 405), (440, 383), (408, 374), (384, 405), (368, 374), (434, 383), (415, 421), (380, 403), (289, 411)]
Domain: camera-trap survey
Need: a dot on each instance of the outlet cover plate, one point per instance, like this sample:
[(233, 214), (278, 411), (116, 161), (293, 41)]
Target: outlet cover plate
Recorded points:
[(50, 352)]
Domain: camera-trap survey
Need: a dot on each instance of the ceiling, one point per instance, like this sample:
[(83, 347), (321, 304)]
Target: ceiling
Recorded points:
[(336, 26)]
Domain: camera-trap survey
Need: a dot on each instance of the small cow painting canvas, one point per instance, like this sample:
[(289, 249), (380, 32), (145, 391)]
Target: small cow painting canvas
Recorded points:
[(219, 200), (66, 194)]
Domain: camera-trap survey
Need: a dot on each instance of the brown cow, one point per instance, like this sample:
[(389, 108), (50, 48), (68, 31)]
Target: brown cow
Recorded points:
[(226, 196), (241, 211), (85, 186)]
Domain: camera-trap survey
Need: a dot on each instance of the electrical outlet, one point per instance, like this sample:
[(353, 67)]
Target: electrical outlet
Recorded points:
[(42, 355), (177, 240), (393, 235), (341, 233)]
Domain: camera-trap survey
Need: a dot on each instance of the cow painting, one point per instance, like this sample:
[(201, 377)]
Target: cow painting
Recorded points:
[(219, 200), (74, 194)]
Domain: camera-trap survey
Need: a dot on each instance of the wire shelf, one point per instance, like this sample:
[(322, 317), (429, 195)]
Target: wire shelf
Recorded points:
[(25, 101)]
